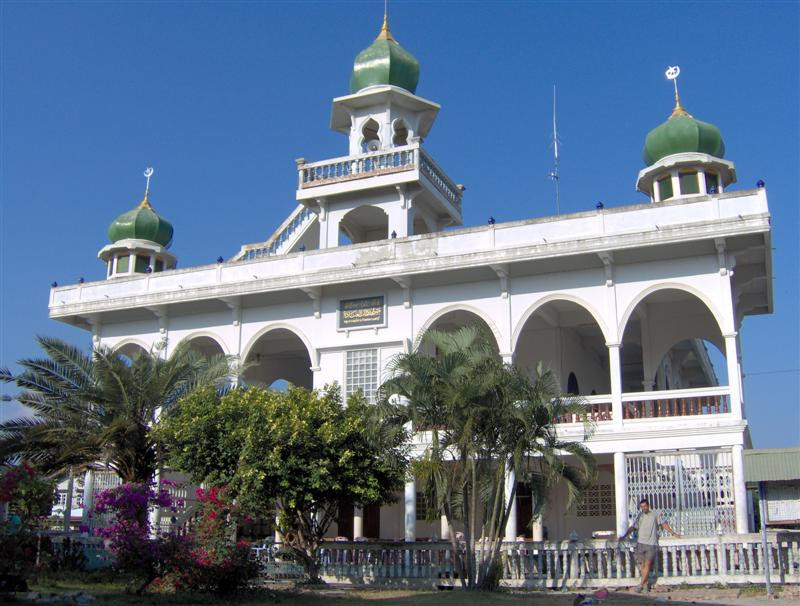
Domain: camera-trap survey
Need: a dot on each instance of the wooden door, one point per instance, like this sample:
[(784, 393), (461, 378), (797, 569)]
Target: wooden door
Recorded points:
[(344, 521), (372, 521)]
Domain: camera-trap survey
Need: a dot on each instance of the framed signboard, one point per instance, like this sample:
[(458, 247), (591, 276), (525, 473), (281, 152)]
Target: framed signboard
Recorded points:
[(362, 312)]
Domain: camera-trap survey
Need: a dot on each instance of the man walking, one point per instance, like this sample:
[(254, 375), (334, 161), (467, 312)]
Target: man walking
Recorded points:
[(647, 523)]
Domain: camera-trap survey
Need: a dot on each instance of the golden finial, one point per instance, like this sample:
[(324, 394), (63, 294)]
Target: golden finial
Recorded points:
[(385, 34), (145, 203), (672, 73)]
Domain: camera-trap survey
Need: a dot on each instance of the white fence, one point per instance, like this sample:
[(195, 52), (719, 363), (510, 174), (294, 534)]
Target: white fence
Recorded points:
[(728, 559)]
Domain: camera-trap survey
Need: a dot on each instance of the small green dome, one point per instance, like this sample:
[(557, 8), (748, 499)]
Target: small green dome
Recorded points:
[(682, 133), (385, 62), (141, 223)]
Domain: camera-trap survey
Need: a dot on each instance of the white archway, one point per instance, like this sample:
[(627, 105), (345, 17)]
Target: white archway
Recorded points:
[(129, 347), (279, 352), (566, 336), (205, 335), (641, 296), (558, 297), (439, 314)]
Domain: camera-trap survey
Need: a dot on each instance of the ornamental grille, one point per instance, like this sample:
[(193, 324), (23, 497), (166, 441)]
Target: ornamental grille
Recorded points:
[(598, 502), (693, 491), (361, 372)]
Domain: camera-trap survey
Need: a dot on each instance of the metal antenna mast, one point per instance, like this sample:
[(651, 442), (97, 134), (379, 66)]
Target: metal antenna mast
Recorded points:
[(554, 174)]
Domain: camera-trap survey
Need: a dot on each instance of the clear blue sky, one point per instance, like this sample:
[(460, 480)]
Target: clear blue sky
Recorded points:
[(221, 97)]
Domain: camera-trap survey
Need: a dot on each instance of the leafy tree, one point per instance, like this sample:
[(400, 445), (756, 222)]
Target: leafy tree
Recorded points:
[(485, 419), (99, 406), (301, 451)]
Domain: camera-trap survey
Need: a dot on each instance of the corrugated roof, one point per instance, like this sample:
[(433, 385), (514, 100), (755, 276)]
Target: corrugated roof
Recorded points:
[(772, 464)]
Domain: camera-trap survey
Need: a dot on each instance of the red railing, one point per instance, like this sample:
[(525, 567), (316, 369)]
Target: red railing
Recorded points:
[(672, 406)]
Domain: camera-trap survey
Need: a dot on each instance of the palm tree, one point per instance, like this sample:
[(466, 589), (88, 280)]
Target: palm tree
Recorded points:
[(99, 406), (486, 419)]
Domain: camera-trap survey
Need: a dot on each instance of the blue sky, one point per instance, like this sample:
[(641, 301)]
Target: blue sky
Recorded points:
[(221, 97)]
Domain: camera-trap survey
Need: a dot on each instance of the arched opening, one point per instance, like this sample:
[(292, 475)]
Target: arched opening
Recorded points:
[(207, 346), (278, 355), (400, 133), (130, 350), (363, 224), (572, 385), (663, 344), (565, 338), (370, 141), (691, 363), (453, 320), (421, 226)]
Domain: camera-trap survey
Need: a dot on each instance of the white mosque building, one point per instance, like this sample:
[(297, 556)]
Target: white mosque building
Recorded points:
[(621, 303)]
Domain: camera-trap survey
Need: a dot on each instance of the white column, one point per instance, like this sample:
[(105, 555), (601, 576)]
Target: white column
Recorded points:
[(739, 490), (537, 529), (68, 501), (734, 377), (648, 370), (155, 515), (88, 496), (511, 525), (278, 535), (615, 372), (358, 523), (444, 528), (621, 492), (411, 511)]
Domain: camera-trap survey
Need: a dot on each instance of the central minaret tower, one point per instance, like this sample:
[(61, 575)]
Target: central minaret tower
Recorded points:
[(387, 186)]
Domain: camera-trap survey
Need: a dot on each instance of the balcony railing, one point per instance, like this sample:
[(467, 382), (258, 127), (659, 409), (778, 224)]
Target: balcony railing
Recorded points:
[(348, 168), (598, 408), (397, 159), (656, 404), (676, 403)]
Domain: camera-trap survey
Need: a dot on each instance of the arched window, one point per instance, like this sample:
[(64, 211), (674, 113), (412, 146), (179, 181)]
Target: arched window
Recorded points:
[(572, 385), (400, 136), (370, 140)]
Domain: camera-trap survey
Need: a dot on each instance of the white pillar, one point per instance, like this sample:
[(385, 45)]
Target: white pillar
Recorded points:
[(358, 523), (278, 535), (68, 501), (155, 515), (615, 372), (739, 489), (648, 370), (537, 529), (511, 525), (444, 528), (411, 511), (734, 378), (621, 492), (88, 497)]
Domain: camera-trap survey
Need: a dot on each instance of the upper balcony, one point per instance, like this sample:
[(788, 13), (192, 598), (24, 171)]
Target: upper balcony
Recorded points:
[(404, 164)]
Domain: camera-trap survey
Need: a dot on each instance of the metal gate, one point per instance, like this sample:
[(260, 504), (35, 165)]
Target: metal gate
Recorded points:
[(692, 490)]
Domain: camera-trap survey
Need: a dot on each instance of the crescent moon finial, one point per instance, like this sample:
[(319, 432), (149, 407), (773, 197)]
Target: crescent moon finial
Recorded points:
[(672, 73), (148, 172)]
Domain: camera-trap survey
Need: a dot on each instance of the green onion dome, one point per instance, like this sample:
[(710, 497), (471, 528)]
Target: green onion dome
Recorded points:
[(141, 223), (385, 62), (682, 133)]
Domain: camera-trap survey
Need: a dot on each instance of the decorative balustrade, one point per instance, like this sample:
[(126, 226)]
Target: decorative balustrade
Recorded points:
[(733, 559), (651, 405), (274, 244), (598, 408), (397, 159), (656, 404), (347, 168), (440, 180)]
